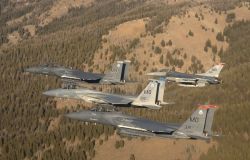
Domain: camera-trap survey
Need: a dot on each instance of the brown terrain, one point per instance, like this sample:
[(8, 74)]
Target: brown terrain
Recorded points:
[(14, 37), (39, 153), (200, 20), (60, 8), (153, 148), (57, 10), (203, 27)]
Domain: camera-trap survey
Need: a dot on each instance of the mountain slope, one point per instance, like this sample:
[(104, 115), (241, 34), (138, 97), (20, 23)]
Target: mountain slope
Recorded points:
[(31, 126)]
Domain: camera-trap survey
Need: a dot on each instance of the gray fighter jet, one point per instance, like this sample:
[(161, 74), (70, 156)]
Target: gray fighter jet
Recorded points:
[(192, 80), (198, 126), (118, 74), (151, 97)]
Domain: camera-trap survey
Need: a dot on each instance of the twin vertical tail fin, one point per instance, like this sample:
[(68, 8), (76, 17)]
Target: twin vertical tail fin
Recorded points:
[(152, 96), (199, 125), (214, 71), (118, 73), (162, 82), (124, 73)]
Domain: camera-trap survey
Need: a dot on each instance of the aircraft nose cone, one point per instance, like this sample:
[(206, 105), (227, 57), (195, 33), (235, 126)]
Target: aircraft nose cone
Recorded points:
[(62, 93), (47, 93), (30, 69), (50, 93), (72, 115), (84, 115)]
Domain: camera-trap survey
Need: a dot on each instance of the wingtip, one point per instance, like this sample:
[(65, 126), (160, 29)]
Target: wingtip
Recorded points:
[(157, 80), (127, 61), (161, 74), (150, 74), (207, 106)]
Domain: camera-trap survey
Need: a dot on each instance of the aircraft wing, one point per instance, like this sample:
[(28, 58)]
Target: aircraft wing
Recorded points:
[(160, 74), (84, 76), (111, 98), (90, 96)]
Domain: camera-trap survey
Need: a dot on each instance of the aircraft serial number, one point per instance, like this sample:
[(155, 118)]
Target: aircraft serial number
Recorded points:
[(147, 91)]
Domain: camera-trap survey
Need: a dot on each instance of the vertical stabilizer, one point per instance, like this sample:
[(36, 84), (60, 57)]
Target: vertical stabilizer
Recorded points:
[(149, 97), (161, 91), (124, 75), (209, 122), (214, 71), (118, 73), (199, 124)]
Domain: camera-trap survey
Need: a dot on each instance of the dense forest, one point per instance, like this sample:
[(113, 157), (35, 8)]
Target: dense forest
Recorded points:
[(71, 40), (26, 115)]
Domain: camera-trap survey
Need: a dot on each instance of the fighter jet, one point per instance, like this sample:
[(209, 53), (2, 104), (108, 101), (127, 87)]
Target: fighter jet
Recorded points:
[(117, 75), (192, 80), (151, 97), (198, 126)]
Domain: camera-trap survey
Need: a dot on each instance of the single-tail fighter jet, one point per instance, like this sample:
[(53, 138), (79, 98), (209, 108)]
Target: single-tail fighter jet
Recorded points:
[(192, 80), (117, 75), (151, 97), (198, 126)]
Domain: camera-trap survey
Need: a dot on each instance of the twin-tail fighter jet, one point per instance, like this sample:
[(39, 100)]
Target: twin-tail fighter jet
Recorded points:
[(117, 75), (192, 80), (198, 126), (151, 97)]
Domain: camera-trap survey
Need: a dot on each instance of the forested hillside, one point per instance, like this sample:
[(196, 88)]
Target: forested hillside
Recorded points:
[(31, 125)]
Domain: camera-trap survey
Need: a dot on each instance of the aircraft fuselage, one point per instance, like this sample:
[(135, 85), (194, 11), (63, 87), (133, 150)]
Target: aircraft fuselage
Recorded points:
[(190, 78), (129, 125)]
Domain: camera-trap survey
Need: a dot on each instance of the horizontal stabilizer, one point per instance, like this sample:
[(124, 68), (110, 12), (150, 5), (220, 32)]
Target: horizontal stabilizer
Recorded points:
[(152, 106), (160, 74), (167, 103)]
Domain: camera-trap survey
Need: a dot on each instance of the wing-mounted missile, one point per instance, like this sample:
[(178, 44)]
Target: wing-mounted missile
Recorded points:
[(192, 85), (191, 82), (91, 99), (134, 133), (69, 84), (104, 108)]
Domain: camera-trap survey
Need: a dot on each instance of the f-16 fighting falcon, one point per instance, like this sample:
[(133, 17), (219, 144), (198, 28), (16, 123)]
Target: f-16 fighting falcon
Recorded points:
[(192, 80), (118, 74), (198, 126), (151, 97)]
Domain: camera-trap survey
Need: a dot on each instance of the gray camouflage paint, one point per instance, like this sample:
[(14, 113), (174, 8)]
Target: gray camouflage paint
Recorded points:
[(193, 128)]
